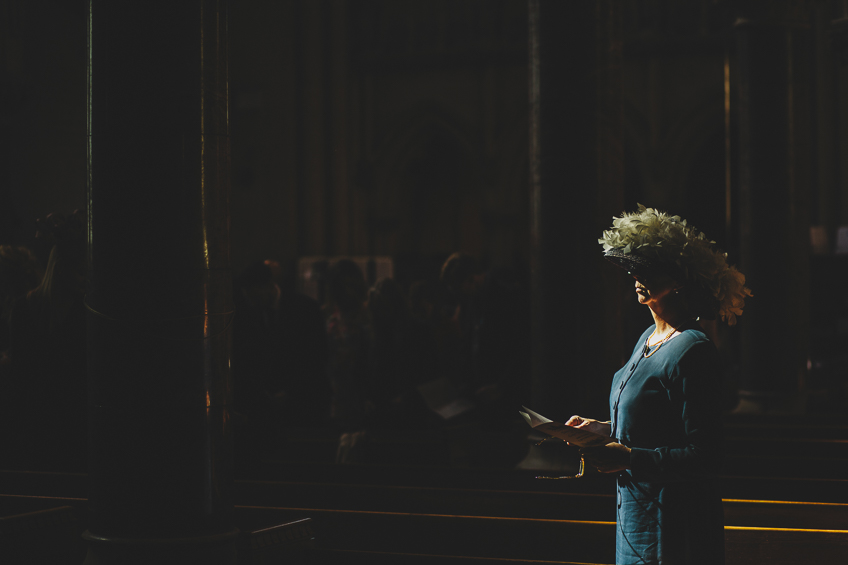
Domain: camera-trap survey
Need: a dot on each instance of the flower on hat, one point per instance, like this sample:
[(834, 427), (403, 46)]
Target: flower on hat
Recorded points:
[(671, 240)]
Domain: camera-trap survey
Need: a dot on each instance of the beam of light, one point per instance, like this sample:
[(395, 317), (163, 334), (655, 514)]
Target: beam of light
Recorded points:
[(728, 216), (203, 218)]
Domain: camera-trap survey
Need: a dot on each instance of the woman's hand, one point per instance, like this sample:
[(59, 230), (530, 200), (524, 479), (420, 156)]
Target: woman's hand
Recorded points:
[(594, 426), (609, 458)]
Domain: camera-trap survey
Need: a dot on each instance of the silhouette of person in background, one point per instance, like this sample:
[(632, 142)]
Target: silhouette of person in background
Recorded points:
[(348, 337), (47, 357), (434, 325), (390, 356), (279, 354), (501, 342), (491, 328), (403, 355)]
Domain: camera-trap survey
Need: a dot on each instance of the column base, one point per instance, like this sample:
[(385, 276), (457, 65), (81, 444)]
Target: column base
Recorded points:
[(218, 549)]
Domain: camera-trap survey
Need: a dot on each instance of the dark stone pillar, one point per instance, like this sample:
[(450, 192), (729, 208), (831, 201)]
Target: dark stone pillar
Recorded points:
[(838, 37), (774, 217), (314, 195), (576, 186), (159, 291)]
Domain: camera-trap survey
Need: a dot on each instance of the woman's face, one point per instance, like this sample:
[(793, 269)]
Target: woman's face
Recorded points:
[(654, 288)]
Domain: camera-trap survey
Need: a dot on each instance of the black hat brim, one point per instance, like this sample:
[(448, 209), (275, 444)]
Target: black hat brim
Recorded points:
[(700, 299), (632, 262)]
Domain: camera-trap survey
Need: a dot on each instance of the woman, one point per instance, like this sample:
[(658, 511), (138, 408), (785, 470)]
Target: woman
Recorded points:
[(665, 404)]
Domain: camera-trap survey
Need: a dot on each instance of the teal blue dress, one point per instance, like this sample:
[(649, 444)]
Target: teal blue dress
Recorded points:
[(667, 409)]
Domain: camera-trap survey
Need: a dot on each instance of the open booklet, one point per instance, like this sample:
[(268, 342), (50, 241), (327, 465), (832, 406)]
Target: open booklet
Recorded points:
[(581, 438)]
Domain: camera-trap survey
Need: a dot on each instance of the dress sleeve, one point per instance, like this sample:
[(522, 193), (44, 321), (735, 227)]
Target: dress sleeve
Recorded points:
[(695, 394)]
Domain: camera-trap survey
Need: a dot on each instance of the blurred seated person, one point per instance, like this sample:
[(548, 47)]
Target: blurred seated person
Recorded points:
[(433, 311), (461, 276), (348, 338), (403, 355), (389, 359), (279, 352), (46, 406)]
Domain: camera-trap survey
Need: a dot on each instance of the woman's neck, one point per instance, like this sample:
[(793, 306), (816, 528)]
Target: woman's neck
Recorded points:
[(667, 322)]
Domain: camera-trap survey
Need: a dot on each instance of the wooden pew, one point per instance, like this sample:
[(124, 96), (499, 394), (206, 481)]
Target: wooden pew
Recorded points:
[(544, 540), (457, 535), (517, 504), (504, 494), (341, 556)]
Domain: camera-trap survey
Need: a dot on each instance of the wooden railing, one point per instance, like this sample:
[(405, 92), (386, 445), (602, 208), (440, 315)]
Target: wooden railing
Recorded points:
[(785, 500)]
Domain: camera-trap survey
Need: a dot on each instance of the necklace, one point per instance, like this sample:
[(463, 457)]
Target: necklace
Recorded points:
[(649, 351)]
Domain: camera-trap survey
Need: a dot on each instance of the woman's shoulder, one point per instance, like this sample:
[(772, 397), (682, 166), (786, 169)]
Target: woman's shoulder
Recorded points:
[(692, 342), (693, 335)]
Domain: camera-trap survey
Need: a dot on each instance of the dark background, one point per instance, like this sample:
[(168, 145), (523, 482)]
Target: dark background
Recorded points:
[(400, 129)]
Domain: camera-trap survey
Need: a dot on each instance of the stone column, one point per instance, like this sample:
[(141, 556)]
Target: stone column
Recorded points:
[(771, 44), (314, 194), (159, 290), (341, 202), (838, 35), (576, 186)]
